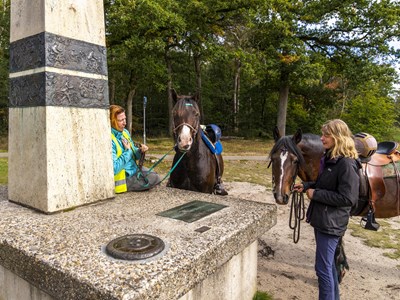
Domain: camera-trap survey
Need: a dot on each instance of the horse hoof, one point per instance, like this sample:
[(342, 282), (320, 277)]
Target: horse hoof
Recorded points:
[(220, 190)]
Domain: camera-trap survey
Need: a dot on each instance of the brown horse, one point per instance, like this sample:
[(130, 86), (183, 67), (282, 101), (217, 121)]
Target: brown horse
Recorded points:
[(199, 169), (300, 154)]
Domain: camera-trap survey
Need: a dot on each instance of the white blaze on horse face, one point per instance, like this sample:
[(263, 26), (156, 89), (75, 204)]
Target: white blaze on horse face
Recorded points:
[(284, 155), (185, 138)]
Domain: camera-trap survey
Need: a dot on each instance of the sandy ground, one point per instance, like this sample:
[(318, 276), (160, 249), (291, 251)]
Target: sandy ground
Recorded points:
[(288, 272)]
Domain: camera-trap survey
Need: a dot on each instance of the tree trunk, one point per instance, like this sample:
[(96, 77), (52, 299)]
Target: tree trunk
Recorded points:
[(129, 102), (112, 91), (129, 108), (197, 68), (236, 92), (169, 91), (283, 102)]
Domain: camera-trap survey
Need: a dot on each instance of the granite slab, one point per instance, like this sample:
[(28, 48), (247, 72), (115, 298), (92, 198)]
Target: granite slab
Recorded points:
[(63, 253)]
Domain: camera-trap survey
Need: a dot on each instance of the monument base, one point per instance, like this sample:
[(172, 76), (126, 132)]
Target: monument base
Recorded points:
[(62, 256)]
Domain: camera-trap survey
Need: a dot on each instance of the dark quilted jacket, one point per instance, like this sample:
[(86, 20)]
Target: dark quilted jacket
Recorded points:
[(336, 191)]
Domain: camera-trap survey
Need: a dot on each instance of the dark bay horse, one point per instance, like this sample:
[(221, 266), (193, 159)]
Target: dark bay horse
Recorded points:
[(300, 154), (199, 170)]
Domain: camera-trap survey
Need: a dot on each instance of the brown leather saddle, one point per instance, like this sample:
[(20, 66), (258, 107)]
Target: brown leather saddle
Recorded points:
[(372, 174)]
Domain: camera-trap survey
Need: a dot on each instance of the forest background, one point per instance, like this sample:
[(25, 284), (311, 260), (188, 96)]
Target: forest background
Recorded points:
[(253, 63)]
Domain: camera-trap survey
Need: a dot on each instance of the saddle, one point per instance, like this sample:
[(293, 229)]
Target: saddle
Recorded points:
[(372, 184), (211, 135)]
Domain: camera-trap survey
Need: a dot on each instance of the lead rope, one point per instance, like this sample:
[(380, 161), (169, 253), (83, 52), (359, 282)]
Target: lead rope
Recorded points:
[(297, 211), (173, 168), (140, 174), (297, 214)]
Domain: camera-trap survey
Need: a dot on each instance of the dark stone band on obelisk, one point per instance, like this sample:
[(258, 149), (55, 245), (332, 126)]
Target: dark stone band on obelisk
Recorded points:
[(80, 82), (53, 89), (49, 50)]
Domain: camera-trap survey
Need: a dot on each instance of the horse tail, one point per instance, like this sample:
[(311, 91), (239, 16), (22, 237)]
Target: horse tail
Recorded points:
[(341, 260)]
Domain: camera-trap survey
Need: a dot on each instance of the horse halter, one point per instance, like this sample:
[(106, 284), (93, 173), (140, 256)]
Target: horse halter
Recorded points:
[(185, 124), (192, 127)]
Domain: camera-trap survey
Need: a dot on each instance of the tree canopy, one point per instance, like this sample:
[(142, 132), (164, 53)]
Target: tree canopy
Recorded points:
[(255, 64)]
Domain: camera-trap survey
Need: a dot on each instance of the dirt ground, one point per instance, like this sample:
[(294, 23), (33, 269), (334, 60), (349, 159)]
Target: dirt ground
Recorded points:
[(288, 272)]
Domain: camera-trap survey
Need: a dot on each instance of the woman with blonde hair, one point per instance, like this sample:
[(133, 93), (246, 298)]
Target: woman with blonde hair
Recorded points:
[(331, 199), (125, 152)]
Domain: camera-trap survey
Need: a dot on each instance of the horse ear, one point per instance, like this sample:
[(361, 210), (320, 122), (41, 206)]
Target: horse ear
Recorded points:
[(196, 97), (297, 136), (174, 96), (276, 133)]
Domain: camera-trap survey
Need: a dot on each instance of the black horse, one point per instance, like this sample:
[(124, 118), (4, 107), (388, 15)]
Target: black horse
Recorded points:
[(199, 169)]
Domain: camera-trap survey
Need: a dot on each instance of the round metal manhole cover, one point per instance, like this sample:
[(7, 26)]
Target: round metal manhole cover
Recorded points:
[(135, 247)]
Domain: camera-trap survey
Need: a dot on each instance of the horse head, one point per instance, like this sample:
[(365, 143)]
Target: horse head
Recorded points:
[(286, 159), (186, 120)]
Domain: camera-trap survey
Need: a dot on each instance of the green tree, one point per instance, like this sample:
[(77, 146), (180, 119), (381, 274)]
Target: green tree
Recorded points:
[(372, 111), (137, 34), (299, 35), (4, 63)]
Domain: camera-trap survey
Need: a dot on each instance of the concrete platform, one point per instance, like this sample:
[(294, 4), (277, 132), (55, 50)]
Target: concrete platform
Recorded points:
[(62, 255)]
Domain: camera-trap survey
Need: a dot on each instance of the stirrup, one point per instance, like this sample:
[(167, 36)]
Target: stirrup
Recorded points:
[(370, 222)]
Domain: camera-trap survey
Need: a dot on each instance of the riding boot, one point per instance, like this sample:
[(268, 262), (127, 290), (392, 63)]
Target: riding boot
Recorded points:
[(219, 188)]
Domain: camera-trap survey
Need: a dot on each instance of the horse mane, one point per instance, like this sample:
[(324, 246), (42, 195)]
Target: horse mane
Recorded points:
[(287, 143)]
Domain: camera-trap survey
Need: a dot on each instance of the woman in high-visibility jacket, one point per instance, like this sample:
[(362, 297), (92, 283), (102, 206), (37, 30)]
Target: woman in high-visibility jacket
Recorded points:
[(127, 175)]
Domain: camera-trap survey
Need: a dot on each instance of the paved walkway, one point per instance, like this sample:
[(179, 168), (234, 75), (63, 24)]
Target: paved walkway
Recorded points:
[(226, 157)]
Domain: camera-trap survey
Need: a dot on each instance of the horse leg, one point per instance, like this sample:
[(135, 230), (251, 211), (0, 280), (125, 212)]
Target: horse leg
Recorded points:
[(219, 186)]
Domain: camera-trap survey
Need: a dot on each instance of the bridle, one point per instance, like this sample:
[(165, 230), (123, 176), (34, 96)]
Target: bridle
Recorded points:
[(185, 124), (194, 127), (297, 207)]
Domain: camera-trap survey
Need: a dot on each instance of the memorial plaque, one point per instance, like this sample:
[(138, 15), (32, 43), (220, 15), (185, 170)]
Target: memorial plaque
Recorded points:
[(192, 211)]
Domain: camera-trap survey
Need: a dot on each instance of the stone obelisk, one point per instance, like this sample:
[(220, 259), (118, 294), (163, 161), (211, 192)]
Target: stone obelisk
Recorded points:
[(59, 129)]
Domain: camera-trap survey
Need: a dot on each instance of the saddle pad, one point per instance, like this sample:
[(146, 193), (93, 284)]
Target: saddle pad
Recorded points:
[(214, 148), (389, 170)]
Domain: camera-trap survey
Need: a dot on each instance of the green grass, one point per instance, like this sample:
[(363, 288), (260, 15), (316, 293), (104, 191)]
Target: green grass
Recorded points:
[(231, 146), (3, 170), (385, 238), (235, 170), (3, 143), (262, 296), (248, 171), (161, 145)]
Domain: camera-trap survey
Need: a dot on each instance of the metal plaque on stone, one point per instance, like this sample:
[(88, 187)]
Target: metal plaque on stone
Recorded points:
[(192, 211)]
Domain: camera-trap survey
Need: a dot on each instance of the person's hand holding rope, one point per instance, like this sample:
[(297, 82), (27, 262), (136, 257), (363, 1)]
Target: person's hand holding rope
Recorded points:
[(143, 148), (298, 187)]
